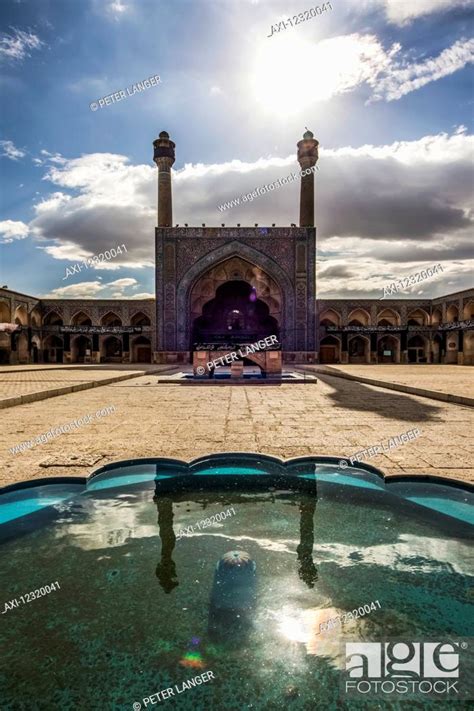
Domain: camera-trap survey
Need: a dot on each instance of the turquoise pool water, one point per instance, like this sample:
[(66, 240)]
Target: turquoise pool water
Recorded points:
[(133, 616)]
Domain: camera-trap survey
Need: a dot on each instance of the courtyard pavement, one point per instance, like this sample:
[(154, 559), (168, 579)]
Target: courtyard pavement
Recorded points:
[(452, 379), (335, 417), (38, 382)]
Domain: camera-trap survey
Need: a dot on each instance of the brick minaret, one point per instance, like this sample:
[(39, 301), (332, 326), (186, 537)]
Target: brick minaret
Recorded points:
[(164, 159), (307, 158)]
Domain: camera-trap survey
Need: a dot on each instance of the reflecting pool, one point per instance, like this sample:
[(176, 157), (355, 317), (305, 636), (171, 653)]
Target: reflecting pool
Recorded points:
[(233, 564)]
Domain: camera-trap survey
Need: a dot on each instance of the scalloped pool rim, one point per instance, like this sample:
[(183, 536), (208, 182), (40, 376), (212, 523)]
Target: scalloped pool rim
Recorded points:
[(223, 458)]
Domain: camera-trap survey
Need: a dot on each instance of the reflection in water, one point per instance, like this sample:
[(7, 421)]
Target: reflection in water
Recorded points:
[(166, 568), (430, 572), (307, 570), (233, 597)]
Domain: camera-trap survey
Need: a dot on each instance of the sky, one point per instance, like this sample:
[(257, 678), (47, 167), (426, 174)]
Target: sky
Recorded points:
[(386, 86)]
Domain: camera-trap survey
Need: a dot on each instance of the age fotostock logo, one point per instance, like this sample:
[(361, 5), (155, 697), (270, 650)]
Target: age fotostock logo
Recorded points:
[(405, 668)]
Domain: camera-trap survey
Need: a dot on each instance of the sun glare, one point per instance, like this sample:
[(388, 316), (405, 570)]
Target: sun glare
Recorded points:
[(290, 73), (293, 628), (281, 76)]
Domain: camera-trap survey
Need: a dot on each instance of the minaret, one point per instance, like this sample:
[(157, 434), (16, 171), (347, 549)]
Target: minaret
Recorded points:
[(307, 158), (164, 159)]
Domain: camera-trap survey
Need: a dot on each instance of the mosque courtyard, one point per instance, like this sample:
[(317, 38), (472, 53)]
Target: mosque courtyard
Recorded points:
[(147, 417)]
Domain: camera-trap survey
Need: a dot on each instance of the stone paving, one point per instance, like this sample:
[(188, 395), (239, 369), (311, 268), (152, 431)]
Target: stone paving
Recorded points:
[(454, 379), (39, 378), (335, 417), (75, 366)]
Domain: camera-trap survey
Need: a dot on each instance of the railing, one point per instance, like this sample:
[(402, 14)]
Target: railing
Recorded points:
[(93, 330), (453, 326)]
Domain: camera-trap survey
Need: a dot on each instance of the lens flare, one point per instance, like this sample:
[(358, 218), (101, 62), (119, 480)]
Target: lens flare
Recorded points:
[(192, 659)]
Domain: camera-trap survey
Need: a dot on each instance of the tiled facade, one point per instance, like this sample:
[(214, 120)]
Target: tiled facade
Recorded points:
[(397, 331), (191, 264), (76, 331), (345, 331), (213, 270)]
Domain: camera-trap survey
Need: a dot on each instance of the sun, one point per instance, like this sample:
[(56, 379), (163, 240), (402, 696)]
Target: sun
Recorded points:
[(288, 73), (281, 75)]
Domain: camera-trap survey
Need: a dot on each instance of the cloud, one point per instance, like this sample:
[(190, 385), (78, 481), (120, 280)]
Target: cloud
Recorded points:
[(351, 62), (381, 211), (279, 72), (122, 283), (117, 7), (409, 190), (336, 271), (12, 229), (67, 250), (53, 157), (83, 290), (402, 12), (103, 201), (435, 251), (18, 45), (412, 190), (73, 253), (95, 289), (112, 9), (9, 150), (404, 79)]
